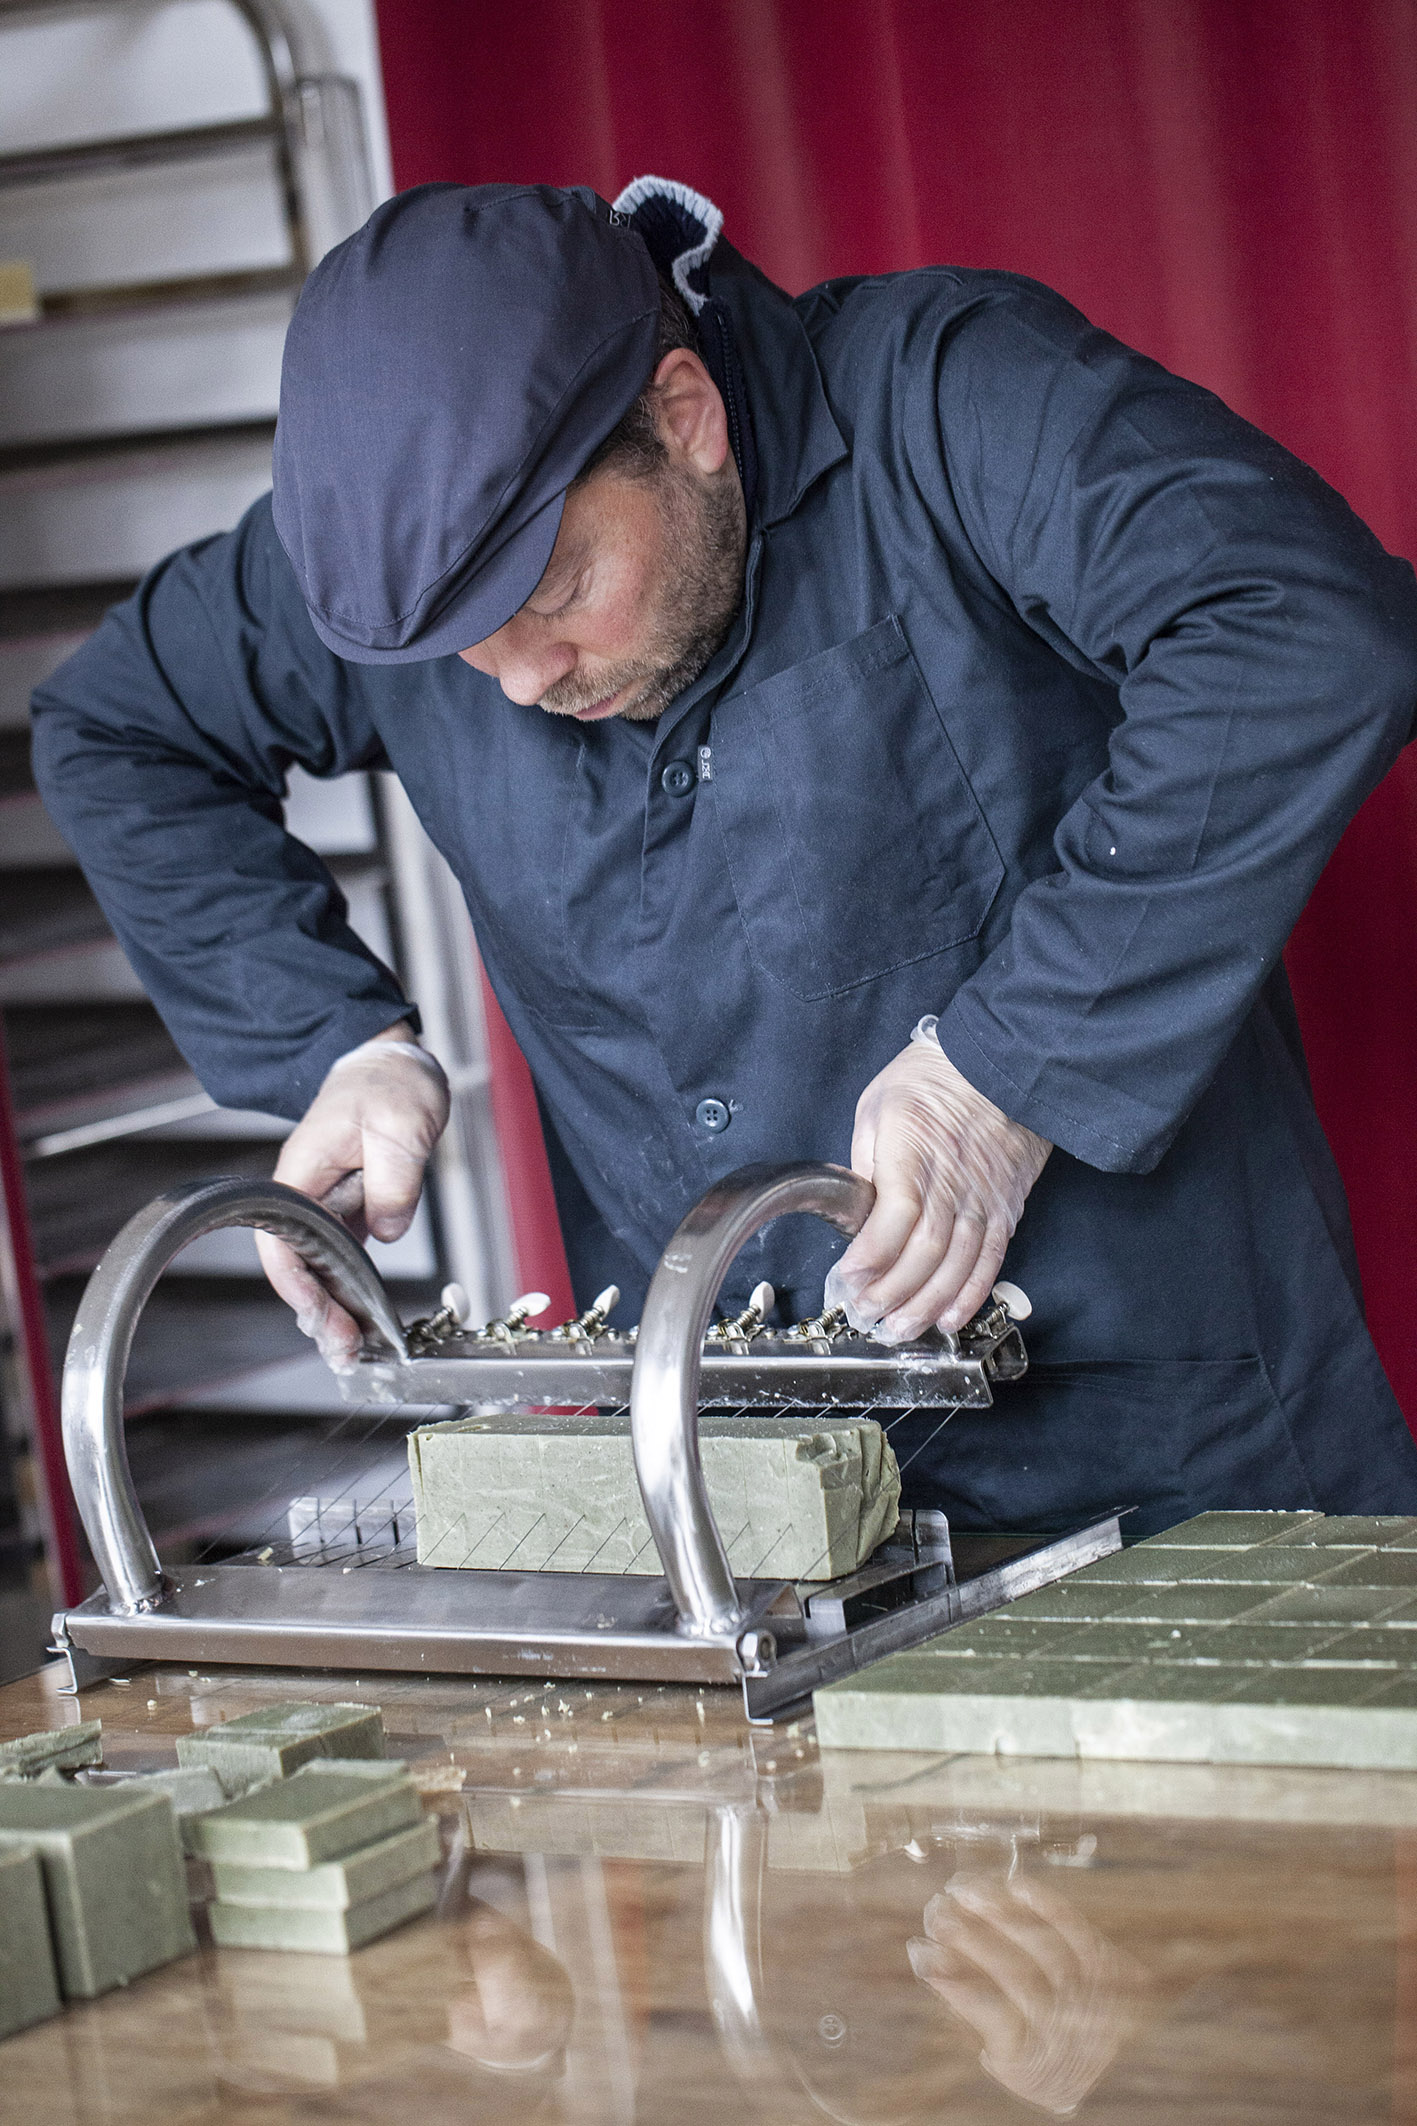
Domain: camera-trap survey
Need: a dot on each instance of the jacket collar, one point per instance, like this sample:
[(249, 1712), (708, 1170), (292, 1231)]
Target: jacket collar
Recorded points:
[(754, 344)]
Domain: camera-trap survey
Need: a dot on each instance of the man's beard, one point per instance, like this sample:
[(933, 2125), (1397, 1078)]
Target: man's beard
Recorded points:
[(704, 535)]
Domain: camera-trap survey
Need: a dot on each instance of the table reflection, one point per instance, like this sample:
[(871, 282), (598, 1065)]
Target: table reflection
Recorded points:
[(1049, 1999)]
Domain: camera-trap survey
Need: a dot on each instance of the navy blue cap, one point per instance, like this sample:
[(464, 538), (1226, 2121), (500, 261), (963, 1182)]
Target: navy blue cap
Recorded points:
[(449, 370)]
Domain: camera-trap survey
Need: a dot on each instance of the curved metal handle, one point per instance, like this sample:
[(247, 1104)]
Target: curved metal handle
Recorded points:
[(664, 1389), (95, 1446)]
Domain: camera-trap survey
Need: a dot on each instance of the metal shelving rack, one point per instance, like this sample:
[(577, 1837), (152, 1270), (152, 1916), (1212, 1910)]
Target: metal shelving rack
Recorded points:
[(103, 1108)]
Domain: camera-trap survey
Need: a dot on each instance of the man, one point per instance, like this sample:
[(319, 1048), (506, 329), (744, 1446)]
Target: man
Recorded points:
[(900, 722)]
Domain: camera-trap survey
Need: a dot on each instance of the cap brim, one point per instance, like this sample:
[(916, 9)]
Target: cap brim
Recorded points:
[(500, 587)]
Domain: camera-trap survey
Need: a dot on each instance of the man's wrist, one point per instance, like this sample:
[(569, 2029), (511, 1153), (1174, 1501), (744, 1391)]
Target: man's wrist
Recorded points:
[(402, 1038)]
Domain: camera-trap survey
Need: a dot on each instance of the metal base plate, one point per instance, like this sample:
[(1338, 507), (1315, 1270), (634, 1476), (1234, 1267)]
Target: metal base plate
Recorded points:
[(610, 1627)]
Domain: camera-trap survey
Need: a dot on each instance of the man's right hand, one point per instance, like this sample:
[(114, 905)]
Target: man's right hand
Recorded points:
[(379, 1113)]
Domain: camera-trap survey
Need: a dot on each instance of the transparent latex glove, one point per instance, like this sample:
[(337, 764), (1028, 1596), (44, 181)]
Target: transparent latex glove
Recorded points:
[(952, 1174), (374, 1122), (1049, 1999)]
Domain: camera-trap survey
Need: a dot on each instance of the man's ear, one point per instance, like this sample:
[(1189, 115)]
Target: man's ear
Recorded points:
[(689, 412)]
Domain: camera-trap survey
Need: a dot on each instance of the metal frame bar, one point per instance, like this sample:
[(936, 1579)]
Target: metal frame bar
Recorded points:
[(664, 1393), (136, 151)]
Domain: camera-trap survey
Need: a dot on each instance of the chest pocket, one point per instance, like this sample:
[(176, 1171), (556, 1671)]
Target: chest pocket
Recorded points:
[(854, 841)]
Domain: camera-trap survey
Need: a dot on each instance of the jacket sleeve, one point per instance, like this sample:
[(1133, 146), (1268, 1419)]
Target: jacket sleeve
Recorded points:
[(161, 750), (1264, 650)]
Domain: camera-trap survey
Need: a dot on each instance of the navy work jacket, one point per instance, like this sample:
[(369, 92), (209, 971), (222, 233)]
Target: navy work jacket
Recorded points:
[(1054, 686)]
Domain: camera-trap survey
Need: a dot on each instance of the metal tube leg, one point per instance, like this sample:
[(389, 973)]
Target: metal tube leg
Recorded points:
[(664, 1393)]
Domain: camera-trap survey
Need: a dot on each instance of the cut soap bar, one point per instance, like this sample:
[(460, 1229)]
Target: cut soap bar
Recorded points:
[(795, 1499), (29, 1985), (1279, 1639), (193, 1792), (318, 1815), (276, 1740), (63, 1748), (331, 1931), (113, 1877), (334, 1885)]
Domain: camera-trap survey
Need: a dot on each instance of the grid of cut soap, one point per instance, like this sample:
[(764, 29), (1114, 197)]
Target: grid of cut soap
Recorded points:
[(1250, 1638)]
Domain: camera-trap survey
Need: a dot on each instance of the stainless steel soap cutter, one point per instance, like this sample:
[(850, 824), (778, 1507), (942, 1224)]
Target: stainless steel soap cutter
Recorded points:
[(695, 1623)]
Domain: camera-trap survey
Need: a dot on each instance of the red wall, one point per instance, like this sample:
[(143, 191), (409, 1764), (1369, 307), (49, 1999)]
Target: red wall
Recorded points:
[(1229, 184)]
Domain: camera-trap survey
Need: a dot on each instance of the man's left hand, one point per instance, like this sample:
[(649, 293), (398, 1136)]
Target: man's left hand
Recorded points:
[(952, 1174)]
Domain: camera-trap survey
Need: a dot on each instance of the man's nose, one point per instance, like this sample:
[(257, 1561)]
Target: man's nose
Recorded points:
[(523, 673)]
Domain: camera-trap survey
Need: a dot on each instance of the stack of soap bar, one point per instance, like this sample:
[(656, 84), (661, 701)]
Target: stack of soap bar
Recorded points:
[(62, 1749), (1237, 1638), (325, 1861), (276, 1740), (794, 1498), (114, 1878), (29, 1984)]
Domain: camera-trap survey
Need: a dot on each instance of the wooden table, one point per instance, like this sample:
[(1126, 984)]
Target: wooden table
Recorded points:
[(651, 1913)]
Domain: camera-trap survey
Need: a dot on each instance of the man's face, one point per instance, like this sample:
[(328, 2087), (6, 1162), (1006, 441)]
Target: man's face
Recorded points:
[(643, 582)]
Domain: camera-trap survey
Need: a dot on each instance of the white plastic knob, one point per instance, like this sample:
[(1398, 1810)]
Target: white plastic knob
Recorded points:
[(454, 1300), (1016, 1304), (530, 1303), (764, 1299)]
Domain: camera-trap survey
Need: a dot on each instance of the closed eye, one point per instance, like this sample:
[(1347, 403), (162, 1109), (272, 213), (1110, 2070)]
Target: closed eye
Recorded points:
[(572, 596)]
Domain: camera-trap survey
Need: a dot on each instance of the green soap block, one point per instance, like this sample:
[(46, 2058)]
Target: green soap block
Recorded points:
[(1352, 1531), (63, 1748), (1192, 1602), (1379, 1568), (1257, 1642), (193, 1792), (335, 1884), (1370, 1647), (113, 1877), (1069, 1601), (1394, 1691), (1309, 1686), (1233, 1531), (1111, 1641), (1142, 1565), (29, 1984), (795, 1498), (1221, 1713), (277, 1739), (889, 1706), (1327, 1604), (1194, 1683), (1275, 1565), (381, 1769), (319, 1815), (1004, 1634), (328, 1932)]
